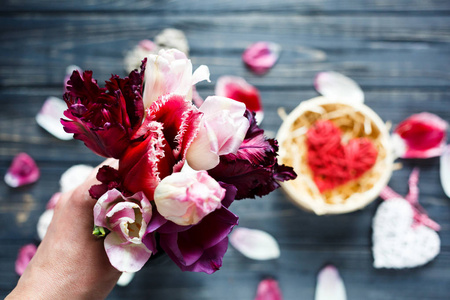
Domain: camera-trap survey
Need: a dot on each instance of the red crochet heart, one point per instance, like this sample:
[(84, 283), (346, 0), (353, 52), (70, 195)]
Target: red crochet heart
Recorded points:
[(332, 163)]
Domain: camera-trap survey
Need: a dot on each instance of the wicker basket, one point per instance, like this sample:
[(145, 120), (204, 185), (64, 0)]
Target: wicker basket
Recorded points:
[(354, 120)]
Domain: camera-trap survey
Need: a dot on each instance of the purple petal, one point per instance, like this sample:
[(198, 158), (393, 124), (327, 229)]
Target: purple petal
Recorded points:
[(261, 56), (268, 289), (125, 257), (24, 256), (201, 247), (255, 244), (50, 115), (330, 285), (23, 170), (445, 170), (336, 86)]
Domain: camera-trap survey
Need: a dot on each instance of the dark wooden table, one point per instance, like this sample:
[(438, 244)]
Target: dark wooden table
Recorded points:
[(399, 51)]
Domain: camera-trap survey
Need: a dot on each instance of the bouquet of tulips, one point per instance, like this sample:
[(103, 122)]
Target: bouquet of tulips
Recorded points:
[(179, 167)]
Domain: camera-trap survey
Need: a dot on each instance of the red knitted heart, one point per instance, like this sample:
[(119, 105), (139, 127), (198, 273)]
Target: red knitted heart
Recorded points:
[(332, 163)]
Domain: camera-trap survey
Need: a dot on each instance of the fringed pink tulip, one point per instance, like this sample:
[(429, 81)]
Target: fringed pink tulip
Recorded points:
[(222, 130), (127, 219), (185, 198), (170, 72), (238, 89), (420, 136), (268, 289), (336, 86), (24, 256), (260, 57), (23, 170)]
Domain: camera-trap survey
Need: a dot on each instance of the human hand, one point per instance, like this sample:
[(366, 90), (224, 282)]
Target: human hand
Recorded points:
[(70, 263)]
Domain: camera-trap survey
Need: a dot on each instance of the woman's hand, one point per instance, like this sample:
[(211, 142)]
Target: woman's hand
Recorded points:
[(70, 263)]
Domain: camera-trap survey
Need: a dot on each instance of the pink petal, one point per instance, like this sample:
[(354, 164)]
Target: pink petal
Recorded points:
[(238, 89), (255, 244), (268, 289), (24, 256), (336, 86), (261, 56), (125, 257), (423, 135), (23, 170), (147, 45), (445, 170), (53, 200), (49, 118), (330, 285)]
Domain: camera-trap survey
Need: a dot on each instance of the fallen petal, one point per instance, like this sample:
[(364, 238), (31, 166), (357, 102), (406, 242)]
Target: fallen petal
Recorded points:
[(330, 285), (255, 244), (23, 170), (125, 278), (53, 200), (445, 170), (423, 135), (172, 38), (240, 90), (24, 256), (74, 176), (261, 56), (335, 86), (49, 118), (268, 289), (44, 221)]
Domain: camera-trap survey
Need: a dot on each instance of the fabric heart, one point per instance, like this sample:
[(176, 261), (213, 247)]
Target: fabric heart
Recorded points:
[(398, 241), (332, 163)]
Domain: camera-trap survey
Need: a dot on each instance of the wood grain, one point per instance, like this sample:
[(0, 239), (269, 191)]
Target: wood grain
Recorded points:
[(397, 50)]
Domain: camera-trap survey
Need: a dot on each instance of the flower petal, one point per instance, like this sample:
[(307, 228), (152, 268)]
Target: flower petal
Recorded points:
[(336, 86), (69, 71), (268, 289), (134, 57), (200, 74), (423, 135), (330, 285), (255, 244), (445, 170), (238, 89), (74, 176), (53, 200), (125, 257), (44, 221), (261, 56), (23, 170), (24, 256), (125, 278), (49, 118)]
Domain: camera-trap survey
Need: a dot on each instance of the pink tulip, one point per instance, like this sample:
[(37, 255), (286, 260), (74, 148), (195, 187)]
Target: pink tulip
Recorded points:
[(170, 72), (222, 130), (186, 197), (127, 219)]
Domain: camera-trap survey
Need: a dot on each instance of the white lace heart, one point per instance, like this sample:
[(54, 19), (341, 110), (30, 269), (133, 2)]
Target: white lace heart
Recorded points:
[(396, 242)]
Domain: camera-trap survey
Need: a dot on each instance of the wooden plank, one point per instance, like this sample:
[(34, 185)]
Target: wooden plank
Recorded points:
[(376, 51), (227, 6)]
